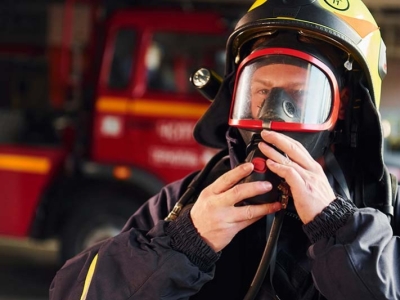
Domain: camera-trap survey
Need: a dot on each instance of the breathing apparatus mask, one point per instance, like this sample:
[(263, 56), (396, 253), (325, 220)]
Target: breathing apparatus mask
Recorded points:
[(285, 90)]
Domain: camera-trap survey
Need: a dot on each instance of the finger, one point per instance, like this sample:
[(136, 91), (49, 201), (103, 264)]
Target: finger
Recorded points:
[(285, 143), (292, 174), (284, 160), (251, 213), (273, 154), (293, 149), (247, 190), (230, 178)]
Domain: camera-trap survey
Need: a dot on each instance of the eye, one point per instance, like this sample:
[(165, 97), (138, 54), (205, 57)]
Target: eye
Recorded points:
[(262, 95), (264, 91)]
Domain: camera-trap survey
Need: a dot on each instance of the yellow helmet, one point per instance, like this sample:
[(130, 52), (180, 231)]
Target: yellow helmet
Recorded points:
[(347, 25)]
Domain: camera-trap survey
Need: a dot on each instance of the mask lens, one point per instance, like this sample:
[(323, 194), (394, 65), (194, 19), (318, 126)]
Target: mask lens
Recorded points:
[(282, 88)]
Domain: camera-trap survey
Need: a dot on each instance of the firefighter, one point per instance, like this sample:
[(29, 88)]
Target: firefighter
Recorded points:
[(301, 207)]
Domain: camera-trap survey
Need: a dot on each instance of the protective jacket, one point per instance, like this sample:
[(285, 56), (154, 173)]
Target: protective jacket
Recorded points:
[(345, 253)]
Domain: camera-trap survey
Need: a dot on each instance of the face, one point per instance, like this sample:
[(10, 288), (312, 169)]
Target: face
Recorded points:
[(292, 79), (284, 90)]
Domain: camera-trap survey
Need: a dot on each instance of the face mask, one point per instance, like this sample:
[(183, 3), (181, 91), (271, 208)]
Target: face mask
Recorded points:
[(287, 91)]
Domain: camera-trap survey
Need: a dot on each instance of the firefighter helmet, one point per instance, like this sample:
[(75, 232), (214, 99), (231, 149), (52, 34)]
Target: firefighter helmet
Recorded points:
[(347, 26)]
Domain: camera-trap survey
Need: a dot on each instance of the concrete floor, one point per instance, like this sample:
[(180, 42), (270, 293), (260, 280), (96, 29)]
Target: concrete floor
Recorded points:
[(26, 269)]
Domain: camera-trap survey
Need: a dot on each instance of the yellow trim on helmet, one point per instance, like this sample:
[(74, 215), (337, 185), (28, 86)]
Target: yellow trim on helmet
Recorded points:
[(362, 27), (358, 17), (356, 9), (257, 4), (370, 47)]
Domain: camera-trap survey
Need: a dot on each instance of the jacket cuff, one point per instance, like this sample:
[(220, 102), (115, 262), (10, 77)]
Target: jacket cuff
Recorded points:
[(186, 239), (332, 217)]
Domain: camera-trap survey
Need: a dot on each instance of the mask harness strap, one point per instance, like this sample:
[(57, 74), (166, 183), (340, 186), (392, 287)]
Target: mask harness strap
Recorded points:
[(337, 173), (354, 116)]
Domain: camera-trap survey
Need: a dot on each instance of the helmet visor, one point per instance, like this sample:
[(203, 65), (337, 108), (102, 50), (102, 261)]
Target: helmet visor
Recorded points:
[(284, 89)]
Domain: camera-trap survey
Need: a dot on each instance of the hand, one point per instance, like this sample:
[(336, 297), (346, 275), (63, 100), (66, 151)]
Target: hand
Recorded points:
[(309, 186), (215, 215)]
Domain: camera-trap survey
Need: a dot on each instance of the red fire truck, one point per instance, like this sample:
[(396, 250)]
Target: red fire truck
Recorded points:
[(106, 132)]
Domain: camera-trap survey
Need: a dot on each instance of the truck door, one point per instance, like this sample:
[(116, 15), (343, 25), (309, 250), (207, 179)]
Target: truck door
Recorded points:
[(145, 114), (168, 110)]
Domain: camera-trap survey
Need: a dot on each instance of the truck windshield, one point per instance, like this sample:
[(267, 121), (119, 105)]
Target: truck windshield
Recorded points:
[(121, 67)]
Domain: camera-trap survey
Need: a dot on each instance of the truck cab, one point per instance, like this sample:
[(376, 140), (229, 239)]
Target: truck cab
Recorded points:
[(146, 107), (76, 170)]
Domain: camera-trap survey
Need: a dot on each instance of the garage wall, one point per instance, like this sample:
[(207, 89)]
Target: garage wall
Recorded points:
[(391, 86)]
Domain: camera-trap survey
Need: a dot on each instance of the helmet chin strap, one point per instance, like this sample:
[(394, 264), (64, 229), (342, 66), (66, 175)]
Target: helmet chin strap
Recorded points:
[(336, 171)]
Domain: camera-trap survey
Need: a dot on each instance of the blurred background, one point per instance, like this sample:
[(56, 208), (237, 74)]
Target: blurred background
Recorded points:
[(97, 112)]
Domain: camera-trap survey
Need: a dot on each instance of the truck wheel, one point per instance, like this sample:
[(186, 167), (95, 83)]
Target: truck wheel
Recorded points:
[(93, 222)]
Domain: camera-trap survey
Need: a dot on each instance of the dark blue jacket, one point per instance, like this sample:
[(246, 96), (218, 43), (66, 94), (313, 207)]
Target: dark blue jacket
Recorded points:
[(345, 253)]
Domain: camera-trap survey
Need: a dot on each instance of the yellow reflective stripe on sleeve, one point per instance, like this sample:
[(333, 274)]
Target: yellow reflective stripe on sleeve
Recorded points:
[(88, 279)]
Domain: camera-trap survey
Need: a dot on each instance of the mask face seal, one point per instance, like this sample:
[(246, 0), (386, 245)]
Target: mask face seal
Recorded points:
[(284, 90)]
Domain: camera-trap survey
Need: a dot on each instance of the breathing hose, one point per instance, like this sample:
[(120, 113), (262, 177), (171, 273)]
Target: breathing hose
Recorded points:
[(267, 256), (273, 235)]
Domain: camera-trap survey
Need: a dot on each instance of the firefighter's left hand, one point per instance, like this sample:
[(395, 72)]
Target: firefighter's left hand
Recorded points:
[(308, 183)]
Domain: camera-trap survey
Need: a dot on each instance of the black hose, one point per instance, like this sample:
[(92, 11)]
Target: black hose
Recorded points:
[(267, 255), (272, 238)]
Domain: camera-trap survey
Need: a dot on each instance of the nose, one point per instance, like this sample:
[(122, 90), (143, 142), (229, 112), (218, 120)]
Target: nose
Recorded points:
[(279, 106)]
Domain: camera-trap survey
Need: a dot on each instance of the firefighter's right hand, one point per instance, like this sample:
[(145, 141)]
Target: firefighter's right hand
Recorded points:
[(215, 215)]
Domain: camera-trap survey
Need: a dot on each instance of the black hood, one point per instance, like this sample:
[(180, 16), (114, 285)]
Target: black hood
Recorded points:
[(210, 130)]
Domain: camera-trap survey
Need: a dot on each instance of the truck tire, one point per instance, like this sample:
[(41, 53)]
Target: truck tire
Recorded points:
[(92, 222)]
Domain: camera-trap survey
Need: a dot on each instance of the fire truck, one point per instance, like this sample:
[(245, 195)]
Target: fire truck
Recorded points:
[(93, 129)]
